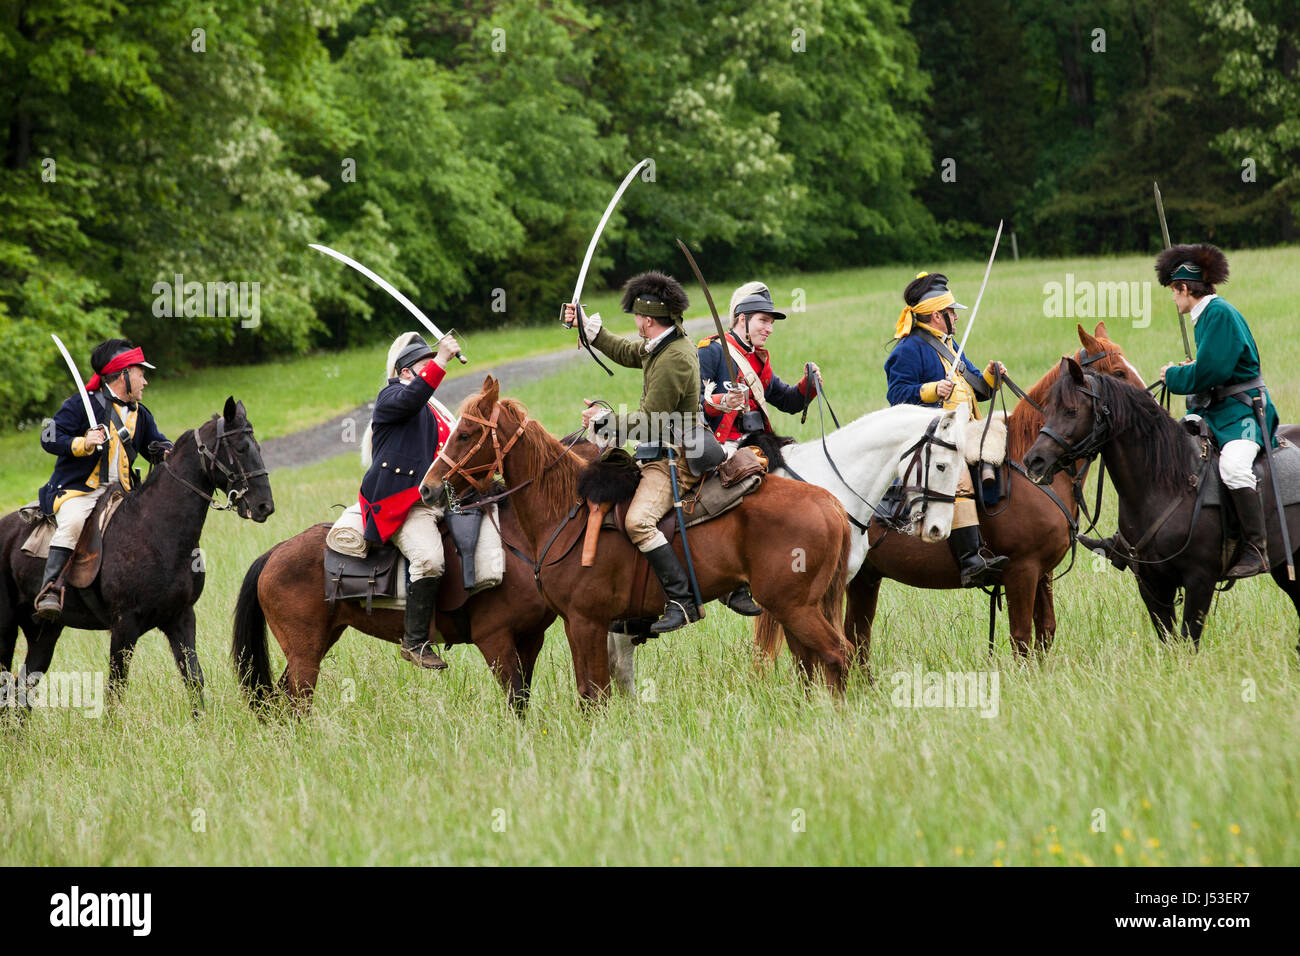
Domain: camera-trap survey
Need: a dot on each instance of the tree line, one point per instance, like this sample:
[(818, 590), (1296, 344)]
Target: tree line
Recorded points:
[(464, 150)]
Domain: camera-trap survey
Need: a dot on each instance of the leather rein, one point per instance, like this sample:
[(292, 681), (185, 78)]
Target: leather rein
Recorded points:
[(236, 477)]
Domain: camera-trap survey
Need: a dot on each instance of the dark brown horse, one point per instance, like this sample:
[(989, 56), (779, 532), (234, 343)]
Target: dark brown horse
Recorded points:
[(285, 588), (1155, 464), (1028, 527), (788, 541), (152, 572)]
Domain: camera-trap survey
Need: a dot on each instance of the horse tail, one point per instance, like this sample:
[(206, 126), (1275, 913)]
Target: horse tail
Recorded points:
[(768, 633), (248, 649), (833, 601)]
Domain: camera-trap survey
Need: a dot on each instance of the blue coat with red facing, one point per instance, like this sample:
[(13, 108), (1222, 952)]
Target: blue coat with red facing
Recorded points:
[(406, 434), (76, 467), (714, 368)]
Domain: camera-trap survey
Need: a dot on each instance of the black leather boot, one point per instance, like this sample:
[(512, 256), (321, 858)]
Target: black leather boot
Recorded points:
[(742, 602), (421, 602), (1253, 558), (681, 608), (49, 599), (976, 569)]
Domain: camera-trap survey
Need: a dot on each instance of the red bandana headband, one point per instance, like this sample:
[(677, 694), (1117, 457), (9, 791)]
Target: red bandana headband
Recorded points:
[(118, 362)]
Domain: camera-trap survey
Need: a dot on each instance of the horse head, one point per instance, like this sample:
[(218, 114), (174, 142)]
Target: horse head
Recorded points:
[(929, 468), (232, 460), (1099, 354), (473, 457), (1072, 427)]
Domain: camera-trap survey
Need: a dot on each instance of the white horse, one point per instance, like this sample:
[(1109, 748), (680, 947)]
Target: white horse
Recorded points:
[(869, 453)]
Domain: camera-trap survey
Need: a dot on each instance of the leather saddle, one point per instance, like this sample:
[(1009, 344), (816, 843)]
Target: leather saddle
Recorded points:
[(381, 576), (88, 558)]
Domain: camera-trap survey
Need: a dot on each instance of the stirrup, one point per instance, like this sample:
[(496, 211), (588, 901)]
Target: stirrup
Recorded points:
[(666, 622)]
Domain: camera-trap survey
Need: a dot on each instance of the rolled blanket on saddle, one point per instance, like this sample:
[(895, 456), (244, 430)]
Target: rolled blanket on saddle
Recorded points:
[(348, 536), (991, 447)]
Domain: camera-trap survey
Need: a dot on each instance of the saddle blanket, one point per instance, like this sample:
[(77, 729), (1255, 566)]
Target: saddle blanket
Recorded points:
[(1286, 458), (348, 536)]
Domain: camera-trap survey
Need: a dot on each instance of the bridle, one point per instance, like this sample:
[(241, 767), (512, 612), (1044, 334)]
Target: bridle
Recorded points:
[(1090, 446), (922, 452), (490, 470), (236, 477)]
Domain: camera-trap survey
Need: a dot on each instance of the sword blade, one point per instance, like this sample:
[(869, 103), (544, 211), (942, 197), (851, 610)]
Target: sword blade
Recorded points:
[(1164, 234), (76, 377), (387, 287), (961, 349), (600, 227), (717, 322)]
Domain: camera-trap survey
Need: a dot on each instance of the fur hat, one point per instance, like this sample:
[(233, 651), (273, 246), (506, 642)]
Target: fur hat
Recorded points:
[(655, 294), (1200, 262)]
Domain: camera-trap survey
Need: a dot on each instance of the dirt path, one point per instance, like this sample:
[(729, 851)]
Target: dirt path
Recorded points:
[(324, 441)]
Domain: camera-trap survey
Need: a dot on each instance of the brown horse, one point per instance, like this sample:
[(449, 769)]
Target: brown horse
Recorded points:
[(789, 542), (1028, 527), (285, 588)]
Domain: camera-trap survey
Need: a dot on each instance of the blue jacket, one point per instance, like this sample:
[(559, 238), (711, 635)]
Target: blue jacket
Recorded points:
[(75, 472), (912, 364), (405, 437)]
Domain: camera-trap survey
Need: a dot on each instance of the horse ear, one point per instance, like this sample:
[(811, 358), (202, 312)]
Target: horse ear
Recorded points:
[(1074, 369), (1100, 331), (491, 389), (1088, 341), (231, 410)]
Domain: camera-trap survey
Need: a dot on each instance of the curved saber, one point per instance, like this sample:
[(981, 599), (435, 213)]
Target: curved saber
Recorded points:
[(387, 287), (586, 264), (76, 376), (961, 349), (595, 238)]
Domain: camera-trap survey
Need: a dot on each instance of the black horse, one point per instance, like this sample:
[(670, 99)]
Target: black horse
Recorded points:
[(1158, 469), (152, 572)]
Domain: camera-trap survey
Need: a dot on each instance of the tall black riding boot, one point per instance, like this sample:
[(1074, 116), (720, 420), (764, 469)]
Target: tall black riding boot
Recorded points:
[(681, 608), (742, 602), (1253, 558), (49, 599), (976, 569), (421, 602)]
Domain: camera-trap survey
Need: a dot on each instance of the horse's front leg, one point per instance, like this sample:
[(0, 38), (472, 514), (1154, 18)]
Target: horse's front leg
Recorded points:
[(1159, 600), (590, 656), (1198, 596), (180, 634), (122, 639)]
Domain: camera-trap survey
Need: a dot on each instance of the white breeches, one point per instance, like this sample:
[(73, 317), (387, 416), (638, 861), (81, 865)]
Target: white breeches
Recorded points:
[(71, 518), (1236, 461), (421, 542)]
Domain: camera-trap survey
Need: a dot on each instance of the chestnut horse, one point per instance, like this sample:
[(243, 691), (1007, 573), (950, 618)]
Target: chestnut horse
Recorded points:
[(788, 541), (285, 588), (1028, 527)]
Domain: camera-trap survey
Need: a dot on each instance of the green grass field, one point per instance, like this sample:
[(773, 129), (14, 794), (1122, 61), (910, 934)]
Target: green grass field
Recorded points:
[(1116, 751)]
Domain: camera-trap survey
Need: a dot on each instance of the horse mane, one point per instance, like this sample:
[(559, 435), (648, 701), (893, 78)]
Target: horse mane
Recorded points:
[(1169, 454), (1025, 421), (538, 455)]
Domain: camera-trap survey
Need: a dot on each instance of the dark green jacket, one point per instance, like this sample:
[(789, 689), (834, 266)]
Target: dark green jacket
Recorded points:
[(670, 385), (1225, 355)]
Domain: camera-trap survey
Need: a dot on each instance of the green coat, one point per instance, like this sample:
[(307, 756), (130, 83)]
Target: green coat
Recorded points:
[(671, 382), (1225, 355)]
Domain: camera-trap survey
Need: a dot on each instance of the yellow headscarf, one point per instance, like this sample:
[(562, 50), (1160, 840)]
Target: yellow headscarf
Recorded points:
[(929, 306)]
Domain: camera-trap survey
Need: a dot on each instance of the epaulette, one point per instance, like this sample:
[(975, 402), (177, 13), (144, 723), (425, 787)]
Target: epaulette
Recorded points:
[(705, 343)]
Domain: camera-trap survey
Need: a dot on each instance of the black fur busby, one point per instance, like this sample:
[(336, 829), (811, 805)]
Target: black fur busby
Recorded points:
[(655, 294), (613, 477), (1199, 262)]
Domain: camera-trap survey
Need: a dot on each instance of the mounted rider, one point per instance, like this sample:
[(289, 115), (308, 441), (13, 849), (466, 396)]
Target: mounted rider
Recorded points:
[(1222, 385), (93, 456), (407, 431), (919, 372), (670, 393), (734, 413)]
